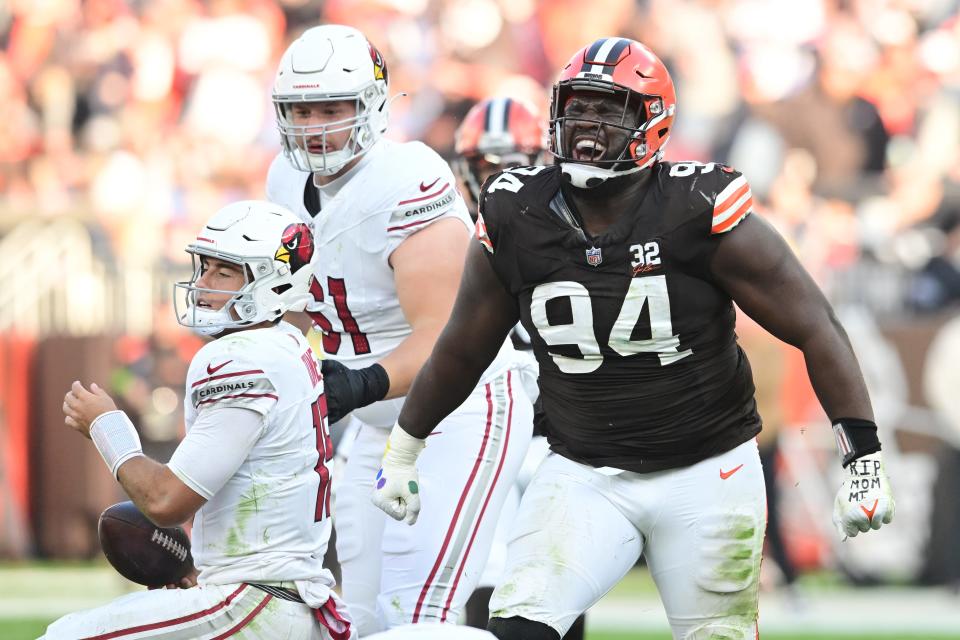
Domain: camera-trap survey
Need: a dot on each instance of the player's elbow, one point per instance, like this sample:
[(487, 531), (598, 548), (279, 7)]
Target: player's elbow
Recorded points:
[(168, 506), (164, 512)]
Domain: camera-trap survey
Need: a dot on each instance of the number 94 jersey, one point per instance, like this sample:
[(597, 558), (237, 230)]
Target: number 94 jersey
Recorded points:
[(639, 364)]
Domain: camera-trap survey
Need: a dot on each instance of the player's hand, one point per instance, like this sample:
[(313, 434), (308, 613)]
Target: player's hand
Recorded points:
[(81, 407), (186, 582), (396, 490), (865, 500), (347, 389)]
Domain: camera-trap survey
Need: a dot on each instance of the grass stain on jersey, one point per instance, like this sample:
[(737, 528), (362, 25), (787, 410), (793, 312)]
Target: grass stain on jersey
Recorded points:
[(249, 504), (397, 607)]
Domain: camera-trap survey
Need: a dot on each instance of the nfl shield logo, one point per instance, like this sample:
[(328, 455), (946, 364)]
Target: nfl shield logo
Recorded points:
[(594, 256)]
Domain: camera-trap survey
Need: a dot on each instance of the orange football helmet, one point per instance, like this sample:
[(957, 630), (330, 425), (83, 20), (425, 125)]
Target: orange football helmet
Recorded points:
[(629, 71), (495, 134)]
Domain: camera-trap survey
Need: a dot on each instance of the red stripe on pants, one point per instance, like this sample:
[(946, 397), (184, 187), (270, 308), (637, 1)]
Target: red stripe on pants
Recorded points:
[(483, 509), (456, 513), (169, 623)]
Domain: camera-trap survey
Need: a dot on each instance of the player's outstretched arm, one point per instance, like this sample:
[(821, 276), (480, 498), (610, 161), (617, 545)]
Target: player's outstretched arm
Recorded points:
[(482, 317), (756, 267)]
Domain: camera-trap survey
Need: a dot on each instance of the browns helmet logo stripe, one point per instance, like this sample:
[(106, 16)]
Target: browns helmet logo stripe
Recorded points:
[(603, 56), (497, 118)]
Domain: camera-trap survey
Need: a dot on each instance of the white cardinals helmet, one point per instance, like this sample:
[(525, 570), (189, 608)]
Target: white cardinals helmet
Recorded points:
[(275, 248), (331, 63)]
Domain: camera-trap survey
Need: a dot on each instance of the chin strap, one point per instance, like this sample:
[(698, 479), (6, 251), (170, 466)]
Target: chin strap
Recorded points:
[(590, 176), (206, 322)]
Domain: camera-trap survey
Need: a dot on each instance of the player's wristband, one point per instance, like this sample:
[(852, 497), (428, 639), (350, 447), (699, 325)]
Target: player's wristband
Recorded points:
[(115, 438), (403, 448), (376, 383), (855, 438)]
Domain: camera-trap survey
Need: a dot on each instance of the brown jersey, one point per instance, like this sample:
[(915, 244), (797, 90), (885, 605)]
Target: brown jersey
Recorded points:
[(639, 363)]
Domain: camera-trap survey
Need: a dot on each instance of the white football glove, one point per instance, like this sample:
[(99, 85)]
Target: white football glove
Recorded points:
[(396, 491), (865, 500)]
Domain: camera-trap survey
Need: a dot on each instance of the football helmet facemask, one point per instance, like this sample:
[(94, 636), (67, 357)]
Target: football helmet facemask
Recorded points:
[(273, 247), (497, 133), (325, 64), (633, 75)]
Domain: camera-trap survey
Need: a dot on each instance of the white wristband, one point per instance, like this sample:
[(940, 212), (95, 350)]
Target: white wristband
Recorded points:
[(115, 438), (403, 448)]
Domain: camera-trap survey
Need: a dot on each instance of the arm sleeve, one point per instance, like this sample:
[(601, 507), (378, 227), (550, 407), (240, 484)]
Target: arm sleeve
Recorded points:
[(230, 432)]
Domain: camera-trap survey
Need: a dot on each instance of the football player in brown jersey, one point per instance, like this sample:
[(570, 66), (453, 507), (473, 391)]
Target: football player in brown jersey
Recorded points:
[(624, 269)]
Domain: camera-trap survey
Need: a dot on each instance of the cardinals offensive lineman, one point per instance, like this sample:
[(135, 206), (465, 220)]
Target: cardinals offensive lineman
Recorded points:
[(255, 400), (392, 232)]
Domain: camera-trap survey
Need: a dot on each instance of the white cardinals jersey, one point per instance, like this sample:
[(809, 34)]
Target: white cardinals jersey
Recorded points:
[(395, 190), (270, 521)]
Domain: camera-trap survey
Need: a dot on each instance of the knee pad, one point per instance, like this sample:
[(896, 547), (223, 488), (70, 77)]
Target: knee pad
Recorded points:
[(517, 628), (731, 628)]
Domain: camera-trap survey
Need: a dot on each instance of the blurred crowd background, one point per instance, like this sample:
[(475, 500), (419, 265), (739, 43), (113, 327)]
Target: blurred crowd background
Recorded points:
[(125, 123)]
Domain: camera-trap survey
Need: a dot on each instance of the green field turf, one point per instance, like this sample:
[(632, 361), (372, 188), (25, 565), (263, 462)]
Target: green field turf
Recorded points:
[(25, 629), (34, 594)]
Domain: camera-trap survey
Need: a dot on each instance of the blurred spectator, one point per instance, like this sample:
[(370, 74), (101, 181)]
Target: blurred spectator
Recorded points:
[(141, 117), (144, 116)]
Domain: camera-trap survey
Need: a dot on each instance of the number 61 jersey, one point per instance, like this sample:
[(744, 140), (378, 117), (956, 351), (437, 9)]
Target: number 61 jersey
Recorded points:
[(639, 364), (396, 190)]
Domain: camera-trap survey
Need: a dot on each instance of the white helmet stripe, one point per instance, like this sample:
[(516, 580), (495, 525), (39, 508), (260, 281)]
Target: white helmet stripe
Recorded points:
[(605, 48), (497, 115)]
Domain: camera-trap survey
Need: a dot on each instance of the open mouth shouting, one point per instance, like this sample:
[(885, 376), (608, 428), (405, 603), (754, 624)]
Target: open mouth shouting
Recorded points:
[(588, 149)]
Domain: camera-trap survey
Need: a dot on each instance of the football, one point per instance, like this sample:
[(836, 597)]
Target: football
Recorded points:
[(140, 550)]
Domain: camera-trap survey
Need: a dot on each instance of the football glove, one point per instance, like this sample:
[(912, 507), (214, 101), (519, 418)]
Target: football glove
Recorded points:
[(348, 389), (396, 489), (865, 500)]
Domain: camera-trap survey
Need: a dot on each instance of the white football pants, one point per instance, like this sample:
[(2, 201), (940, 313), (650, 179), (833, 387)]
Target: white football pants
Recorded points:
[(395, 574), (205, 613), (578, 531)]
